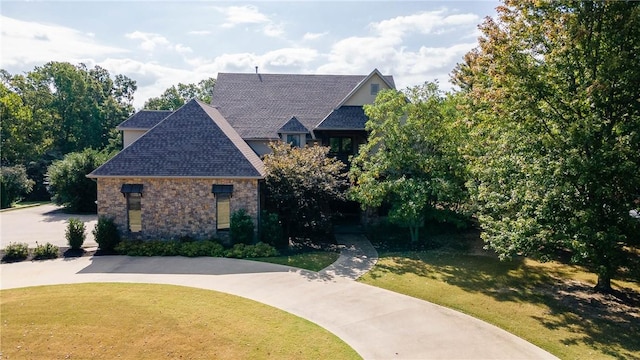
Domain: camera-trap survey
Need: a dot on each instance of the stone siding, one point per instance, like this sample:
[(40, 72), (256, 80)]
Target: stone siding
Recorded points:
[(172, 208)]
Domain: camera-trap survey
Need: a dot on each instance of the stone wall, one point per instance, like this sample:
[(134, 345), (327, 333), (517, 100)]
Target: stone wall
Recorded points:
[(172, 208)]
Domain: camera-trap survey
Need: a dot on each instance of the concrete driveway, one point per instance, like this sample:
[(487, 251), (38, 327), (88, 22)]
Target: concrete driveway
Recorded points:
[(42, 224), (377, 323)]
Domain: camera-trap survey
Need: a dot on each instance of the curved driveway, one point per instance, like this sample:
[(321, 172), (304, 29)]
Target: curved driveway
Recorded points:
[(377, 323)]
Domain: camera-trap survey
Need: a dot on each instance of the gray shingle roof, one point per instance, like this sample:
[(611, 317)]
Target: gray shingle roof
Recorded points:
[(293, 126), (256, 104), (144, 119), (346, 117), (195, 141)]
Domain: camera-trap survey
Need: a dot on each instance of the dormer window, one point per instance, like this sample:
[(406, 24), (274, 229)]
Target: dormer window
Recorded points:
[(375, 88), (294, 140)]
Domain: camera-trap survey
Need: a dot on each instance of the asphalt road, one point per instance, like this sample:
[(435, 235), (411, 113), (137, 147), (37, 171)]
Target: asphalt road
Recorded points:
[(41, 224)]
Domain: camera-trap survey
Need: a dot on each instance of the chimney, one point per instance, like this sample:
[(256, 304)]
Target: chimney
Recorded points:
[(256, 69)]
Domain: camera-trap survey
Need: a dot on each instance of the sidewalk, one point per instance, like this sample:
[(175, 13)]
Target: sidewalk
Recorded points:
[(377, 323)]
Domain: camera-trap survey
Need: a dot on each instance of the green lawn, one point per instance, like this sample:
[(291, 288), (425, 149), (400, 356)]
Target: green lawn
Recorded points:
[(145, 321), (548, 304), (314, 261)]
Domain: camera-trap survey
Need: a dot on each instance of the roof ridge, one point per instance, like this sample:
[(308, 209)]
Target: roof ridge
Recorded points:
[(233, 135)]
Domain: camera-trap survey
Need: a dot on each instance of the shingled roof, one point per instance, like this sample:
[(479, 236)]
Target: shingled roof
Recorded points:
[(195, 141), (255, 104), (144, 120), (344, 118)]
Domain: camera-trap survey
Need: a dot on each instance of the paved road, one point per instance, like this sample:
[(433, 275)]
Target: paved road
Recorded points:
[(377, 323), (42, 224)]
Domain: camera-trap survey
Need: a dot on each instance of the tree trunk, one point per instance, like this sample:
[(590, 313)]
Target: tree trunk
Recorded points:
[(415, 232), (604, 283)]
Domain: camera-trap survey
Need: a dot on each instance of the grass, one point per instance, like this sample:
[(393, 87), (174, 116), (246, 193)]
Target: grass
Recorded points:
[(24, 204), (549, 304), (145, 321), (314, 261)]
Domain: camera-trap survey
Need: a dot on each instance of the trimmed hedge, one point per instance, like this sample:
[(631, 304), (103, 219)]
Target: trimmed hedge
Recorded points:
[(193, 249)]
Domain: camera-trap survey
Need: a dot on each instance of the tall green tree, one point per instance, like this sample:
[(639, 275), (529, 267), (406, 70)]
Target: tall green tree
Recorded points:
[(176, 96), (411, 159), (555, 116)]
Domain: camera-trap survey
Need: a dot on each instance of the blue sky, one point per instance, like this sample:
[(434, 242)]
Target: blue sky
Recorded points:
[(162, 43)]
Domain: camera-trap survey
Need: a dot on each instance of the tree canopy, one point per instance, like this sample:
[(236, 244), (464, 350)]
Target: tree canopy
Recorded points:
[(176, 96), (59, 108), (554, 111), (411, 159)]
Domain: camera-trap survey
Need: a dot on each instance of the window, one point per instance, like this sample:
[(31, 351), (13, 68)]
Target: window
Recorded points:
[(341, 145), (223, 209), (223, 212), (134, 211), (294, 140), (133, 193), (375, 88)]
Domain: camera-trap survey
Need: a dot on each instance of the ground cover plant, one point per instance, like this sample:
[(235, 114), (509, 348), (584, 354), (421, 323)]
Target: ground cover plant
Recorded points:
[(549, 304), (157, 321)]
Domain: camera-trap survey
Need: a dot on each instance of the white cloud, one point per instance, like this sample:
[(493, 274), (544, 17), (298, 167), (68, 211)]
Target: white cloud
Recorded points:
[(247, 14), (25, 42), (313, 36), (149, 41), (388, 49), (273, 30), (182, 49), (423, 23), (285, 60)]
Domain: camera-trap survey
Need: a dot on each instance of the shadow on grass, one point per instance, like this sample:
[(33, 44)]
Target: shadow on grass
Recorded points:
[(607, 322)]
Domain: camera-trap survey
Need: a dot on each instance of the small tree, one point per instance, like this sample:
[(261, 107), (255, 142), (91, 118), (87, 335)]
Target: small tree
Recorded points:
[(301, 184), (75, 234), (68, 182), (13, 183), (241, 227), (106, 234)]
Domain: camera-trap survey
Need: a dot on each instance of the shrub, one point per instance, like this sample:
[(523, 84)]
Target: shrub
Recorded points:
[(106, 234), (68, 183), (16, 252), (271, 230), (241, 228), (75, 234), (46, 251), (13, 183), (242, 251)]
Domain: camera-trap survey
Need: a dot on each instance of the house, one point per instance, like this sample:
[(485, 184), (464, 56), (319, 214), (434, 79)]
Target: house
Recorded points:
[(183, 173)]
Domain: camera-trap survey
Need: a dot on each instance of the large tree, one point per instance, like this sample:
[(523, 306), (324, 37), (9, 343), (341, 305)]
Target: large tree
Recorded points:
[(411, 159), (176, 96), (555, 115)]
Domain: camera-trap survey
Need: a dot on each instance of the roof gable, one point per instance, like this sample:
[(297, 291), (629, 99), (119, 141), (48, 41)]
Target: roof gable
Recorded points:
[(293, 126), (255, 104), (361, 89), (194, 141), (144, 120)]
